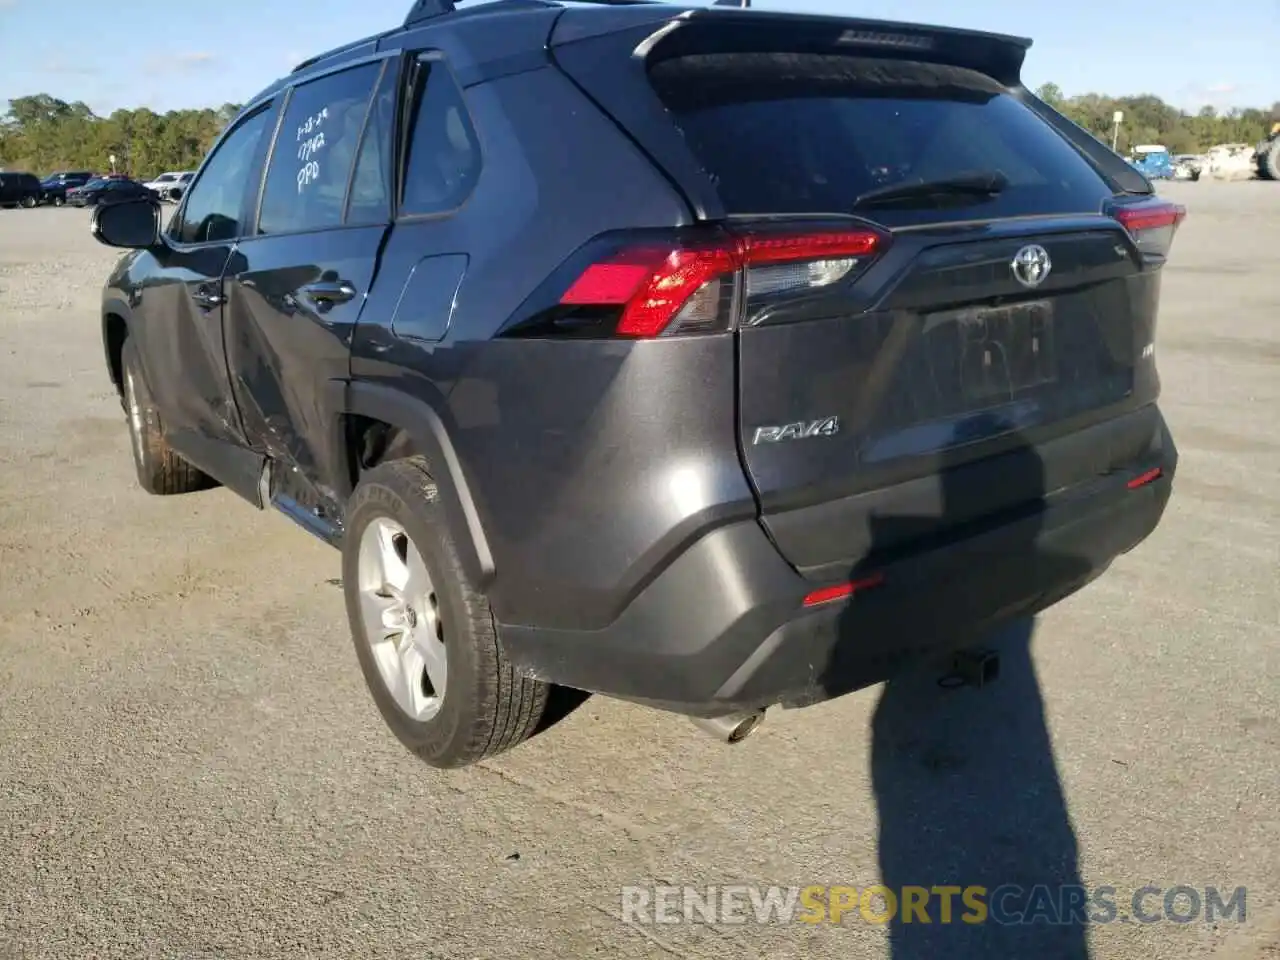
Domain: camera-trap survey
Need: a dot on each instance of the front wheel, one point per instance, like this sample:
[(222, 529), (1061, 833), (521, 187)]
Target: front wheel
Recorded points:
[(160, 469), (29, 202), (58, 201), (425, 637)]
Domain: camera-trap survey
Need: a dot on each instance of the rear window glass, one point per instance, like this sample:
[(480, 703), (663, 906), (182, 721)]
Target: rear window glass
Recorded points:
[(810, 133)]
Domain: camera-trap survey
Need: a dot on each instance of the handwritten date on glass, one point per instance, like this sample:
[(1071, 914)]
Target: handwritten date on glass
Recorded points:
[(312, 123)]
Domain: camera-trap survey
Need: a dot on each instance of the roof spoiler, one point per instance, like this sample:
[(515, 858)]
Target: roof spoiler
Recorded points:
[(725, 25)]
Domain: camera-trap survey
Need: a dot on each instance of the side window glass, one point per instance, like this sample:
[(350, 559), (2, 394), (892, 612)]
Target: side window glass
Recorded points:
[(443, 162), (215, 200), (370, 191), (314, 153)]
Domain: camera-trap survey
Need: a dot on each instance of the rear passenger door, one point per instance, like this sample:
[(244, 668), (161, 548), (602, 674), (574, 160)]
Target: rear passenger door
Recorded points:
[(300, 280)]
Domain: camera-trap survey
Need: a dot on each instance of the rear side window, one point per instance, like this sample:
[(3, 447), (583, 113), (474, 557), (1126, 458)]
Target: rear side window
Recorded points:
[(370, 190), (443, 163), (810, 133), (315, 151)]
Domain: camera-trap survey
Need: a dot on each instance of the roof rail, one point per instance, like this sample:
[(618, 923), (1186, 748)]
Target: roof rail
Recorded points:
[(424, 10), (363, 41)]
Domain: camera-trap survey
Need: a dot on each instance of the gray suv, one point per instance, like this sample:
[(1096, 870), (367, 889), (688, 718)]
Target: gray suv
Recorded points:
[(713, 359)]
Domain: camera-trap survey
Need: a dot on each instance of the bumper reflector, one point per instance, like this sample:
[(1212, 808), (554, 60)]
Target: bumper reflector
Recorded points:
[(839, 591)]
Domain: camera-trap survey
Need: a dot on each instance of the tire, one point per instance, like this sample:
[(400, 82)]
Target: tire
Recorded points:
[(30, 202), (160, 470), (1269, 161), (58, 201), (434, 616)]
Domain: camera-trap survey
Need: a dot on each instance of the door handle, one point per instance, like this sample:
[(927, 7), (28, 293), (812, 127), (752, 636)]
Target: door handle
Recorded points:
[(207, 298), (328, 292)]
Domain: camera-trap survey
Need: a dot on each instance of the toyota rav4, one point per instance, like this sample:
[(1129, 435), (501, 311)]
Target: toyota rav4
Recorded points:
[(712, 359)]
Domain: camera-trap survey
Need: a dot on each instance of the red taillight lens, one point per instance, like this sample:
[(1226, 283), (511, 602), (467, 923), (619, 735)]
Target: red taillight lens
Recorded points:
[(655, 285), (1151, 223), (681, 287)]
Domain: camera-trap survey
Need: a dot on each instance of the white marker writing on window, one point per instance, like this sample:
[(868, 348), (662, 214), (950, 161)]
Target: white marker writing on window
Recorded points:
[(309, 173), (310, 147)]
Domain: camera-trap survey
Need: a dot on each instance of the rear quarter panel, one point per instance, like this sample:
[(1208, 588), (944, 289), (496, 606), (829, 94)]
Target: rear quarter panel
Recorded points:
[(588, 461)]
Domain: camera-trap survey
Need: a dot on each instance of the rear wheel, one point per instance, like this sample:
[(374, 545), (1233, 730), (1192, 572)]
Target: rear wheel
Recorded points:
[(29, 202), (160, 470), (58, 201), (425, 637)]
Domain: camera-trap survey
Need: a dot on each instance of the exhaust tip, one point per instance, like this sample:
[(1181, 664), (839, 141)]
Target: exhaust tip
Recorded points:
[(731, 728), (746, 726)]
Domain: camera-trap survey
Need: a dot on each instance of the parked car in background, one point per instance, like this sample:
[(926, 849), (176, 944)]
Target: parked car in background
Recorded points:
[(172, 185), (54, 187), (1187, 166), (1152, 160), (1230, 161), (19, 189), (113, 190)]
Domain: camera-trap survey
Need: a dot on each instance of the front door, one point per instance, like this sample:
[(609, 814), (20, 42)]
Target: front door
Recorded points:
[(177, 323), (296, 285)]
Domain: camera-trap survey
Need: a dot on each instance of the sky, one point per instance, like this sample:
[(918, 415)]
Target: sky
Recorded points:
[(166, 55)]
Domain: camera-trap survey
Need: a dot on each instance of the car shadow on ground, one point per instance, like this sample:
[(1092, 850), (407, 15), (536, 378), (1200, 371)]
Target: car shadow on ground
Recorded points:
[(967, 794), (965, 784)]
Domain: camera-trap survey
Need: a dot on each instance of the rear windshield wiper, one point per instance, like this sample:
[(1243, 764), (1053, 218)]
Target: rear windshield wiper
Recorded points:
[(979, 183)]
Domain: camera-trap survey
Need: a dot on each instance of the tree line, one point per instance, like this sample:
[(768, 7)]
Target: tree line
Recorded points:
[(1148, 119), (41, 133)]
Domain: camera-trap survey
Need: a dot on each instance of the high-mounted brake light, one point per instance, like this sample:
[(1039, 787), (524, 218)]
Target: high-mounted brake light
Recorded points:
[(1151, 223), (681, 287)]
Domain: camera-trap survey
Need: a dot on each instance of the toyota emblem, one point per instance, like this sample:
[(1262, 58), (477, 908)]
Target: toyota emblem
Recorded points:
[(1031, 265)]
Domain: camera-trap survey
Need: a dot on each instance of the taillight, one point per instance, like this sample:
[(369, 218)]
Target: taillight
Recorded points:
[(1151, 223), (688, 283), (659, 287)]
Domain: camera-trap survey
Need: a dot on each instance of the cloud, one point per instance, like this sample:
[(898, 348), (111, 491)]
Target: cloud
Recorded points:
[(178, 62), (65, 68), (1221, 95)]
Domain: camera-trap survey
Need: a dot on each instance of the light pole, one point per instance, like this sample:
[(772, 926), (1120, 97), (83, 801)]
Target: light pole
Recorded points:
[(1116, 118)]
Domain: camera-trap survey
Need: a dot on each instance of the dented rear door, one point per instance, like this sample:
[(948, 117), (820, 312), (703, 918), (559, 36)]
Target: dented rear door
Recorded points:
[(296, 287)]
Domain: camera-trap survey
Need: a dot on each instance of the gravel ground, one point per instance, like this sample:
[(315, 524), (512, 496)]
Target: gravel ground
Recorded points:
[(190, 766)]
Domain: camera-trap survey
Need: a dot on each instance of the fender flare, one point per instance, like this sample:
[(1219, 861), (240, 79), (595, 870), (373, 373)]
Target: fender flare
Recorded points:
[(119, 307), (429, 438)]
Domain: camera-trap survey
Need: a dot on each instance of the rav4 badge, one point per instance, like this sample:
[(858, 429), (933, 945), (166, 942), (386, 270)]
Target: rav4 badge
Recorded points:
[(826, 427)]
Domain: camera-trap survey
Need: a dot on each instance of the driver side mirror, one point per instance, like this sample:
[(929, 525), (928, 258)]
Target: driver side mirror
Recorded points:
[(132, 224)]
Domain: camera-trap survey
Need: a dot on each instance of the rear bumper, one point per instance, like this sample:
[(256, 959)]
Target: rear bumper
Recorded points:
[(725, 628)]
